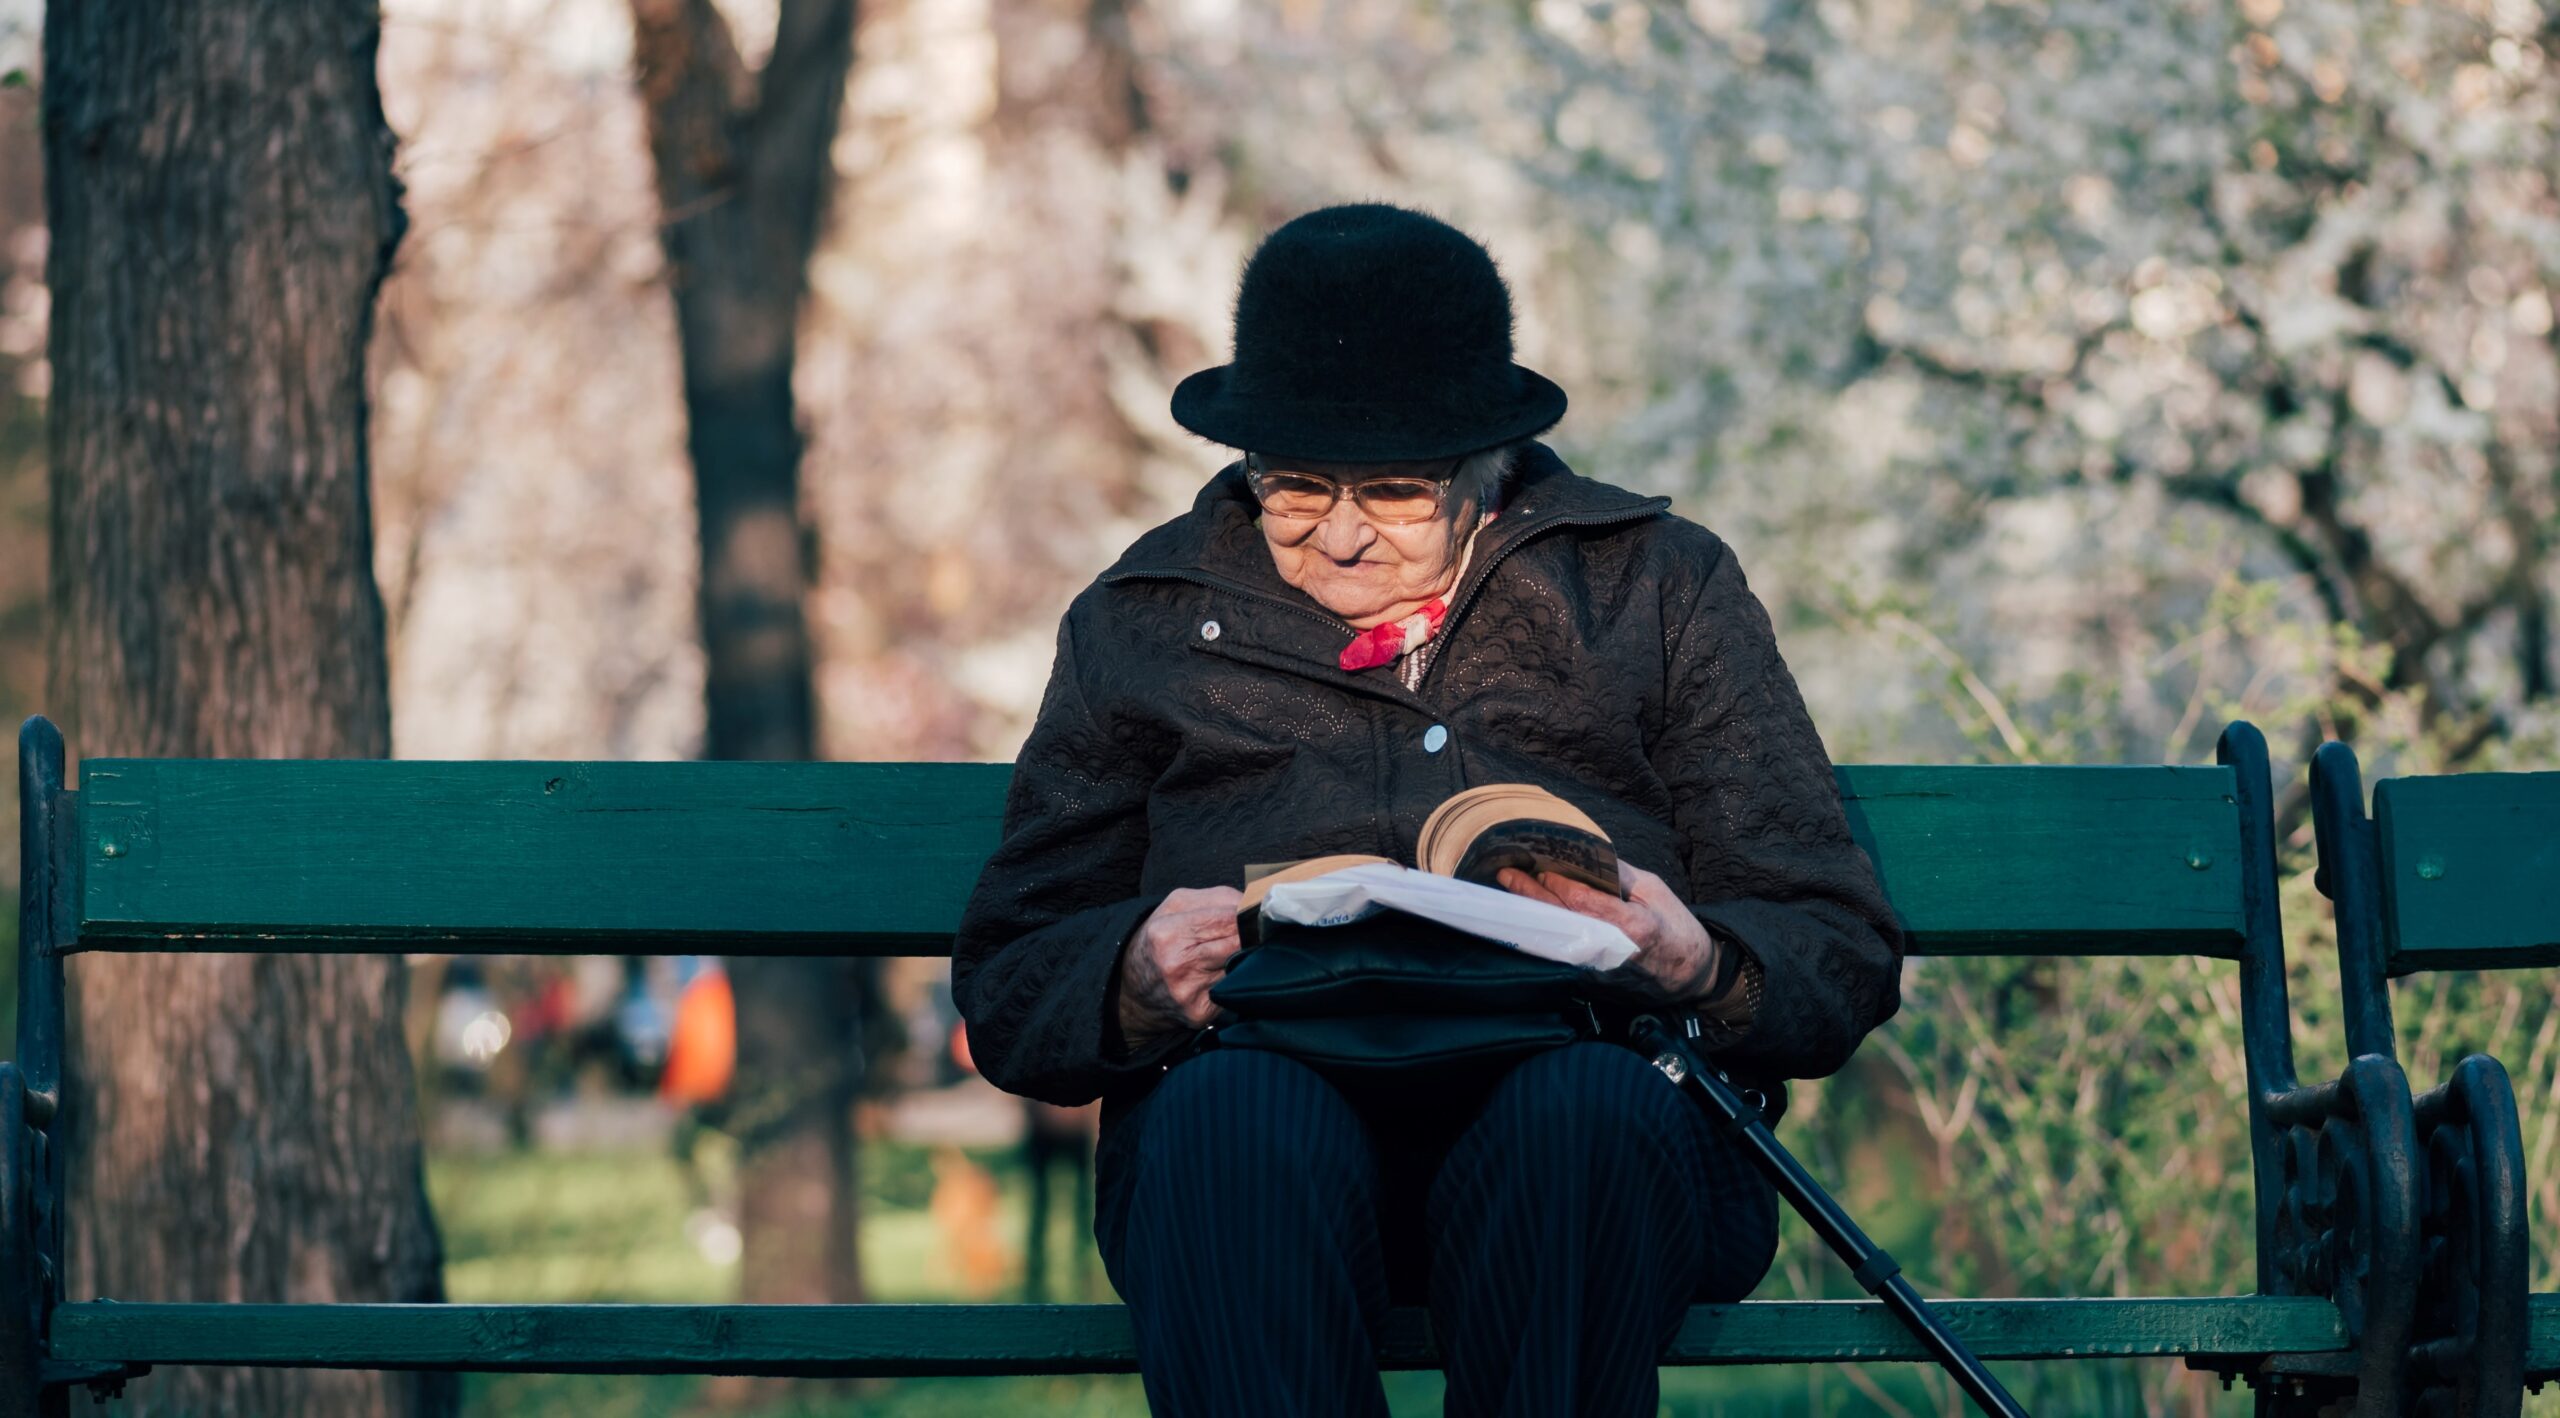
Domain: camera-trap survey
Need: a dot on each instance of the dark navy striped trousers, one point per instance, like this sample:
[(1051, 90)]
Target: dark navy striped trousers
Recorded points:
[(1559, 1224)]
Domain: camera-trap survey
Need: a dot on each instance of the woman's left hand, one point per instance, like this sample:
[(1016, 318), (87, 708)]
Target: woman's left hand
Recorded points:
[(1673, 947)]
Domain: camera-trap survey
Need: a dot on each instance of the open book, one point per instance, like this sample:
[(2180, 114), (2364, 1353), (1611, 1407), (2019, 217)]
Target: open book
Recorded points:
[(1474, 835), (1465, 844)]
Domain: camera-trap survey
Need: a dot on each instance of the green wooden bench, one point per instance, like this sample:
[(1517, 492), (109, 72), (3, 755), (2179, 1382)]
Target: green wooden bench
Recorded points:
[(2452, 872), (826, 858)]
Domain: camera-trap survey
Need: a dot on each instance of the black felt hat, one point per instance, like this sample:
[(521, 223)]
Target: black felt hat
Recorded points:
[(1369, 334)]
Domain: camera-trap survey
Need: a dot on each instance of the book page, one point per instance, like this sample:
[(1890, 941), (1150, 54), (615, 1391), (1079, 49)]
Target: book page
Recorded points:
[(1260, 877), (1530, 927)]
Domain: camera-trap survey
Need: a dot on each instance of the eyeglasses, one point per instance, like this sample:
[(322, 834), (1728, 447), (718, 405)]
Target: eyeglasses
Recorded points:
[(1308, 496)]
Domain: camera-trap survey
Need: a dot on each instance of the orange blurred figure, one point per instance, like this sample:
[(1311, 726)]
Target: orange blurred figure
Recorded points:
[(965, 1199), (702, 1051)]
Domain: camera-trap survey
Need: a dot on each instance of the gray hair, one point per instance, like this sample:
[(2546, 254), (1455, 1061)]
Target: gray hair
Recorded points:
[(1484, 475)]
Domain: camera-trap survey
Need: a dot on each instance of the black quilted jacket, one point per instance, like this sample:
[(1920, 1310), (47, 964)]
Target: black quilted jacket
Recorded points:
[(1601, 647)]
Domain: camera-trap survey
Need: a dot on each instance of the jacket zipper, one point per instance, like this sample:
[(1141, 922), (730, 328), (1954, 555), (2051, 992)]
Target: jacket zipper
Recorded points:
[(1484, 573)]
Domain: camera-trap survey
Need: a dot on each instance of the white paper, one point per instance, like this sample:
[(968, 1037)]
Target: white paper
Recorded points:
[(1529, 926)]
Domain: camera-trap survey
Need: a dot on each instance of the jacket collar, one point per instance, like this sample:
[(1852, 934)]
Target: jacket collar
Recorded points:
[(1220, 537)]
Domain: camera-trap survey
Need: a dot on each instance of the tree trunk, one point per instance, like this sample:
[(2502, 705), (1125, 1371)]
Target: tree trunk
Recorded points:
[(1015, 338), (218, 179), (743, 182)]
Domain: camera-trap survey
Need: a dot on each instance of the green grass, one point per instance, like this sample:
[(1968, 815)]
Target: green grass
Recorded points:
[(609, 1227), (604, 1227)]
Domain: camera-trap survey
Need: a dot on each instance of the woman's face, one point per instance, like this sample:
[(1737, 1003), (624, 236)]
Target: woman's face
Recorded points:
[(1367, 572)]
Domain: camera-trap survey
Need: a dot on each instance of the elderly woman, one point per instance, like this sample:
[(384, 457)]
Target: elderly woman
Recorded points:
[(1393, 595)]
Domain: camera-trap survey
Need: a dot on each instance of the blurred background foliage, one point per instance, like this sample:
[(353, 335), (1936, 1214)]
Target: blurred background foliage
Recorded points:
[(2072, 378)]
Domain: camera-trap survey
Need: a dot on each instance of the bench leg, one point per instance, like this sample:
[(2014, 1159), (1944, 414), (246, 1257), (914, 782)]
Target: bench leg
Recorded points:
[(26, 1284), (2471, 1332), (21, 1350), (2334, 1163), (31, 1091), (2347, 1228), (2468, 1330)]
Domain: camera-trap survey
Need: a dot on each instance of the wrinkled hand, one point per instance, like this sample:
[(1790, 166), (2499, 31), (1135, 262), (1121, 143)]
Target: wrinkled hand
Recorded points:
[(1173, 959), (1675, 954)]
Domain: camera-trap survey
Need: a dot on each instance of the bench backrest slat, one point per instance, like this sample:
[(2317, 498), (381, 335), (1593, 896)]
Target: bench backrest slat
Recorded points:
[(2470, 870), (786, 858), (878, 858)]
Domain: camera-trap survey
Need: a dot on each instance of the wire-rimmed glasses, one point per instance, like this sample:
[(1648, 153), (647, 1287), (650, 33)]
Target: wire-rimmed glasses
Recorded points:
[(1285, 492)]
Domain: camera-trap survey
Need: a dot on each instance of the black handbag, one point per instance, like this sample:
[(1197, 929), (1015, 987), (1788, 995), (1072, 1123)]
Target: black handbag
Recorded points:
[(1396, 994)]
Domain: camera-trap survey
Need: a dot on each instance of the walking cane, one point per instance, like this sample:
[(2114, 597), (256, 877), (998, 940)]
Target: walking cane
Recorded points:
[(1875, 1270)]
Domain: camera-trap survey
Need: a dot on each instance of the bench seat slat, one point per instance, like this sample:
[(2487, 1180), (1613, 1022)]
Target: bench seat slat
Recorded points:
[(878, 858), (918, 1340)]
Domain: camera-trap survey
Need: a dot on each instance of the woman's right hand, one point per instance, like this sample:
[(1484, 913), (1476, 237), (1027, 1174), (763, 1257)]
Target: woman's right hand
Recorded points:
[(1175, 956)]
